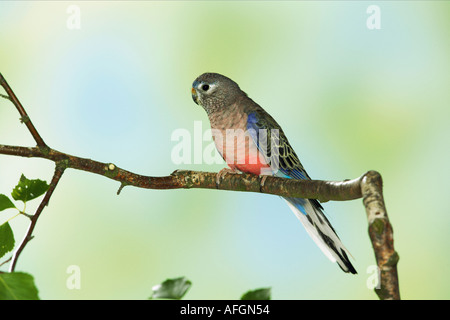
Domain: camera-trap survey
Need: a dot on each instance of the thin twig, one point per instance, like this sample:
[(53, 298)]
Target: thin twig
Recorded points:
[(29, 235), (23, 114), (5, 96), (6, 261)]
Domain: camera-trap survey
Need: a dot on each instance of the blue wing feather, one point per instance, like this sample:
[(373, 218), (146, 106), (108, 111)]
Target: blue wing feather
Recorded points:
[(309, 211), (289, 164)]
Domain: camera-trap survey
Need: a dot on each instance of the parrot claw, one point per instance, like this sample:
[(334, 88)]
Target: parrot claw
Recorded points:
[(262, 181), (222, 173)]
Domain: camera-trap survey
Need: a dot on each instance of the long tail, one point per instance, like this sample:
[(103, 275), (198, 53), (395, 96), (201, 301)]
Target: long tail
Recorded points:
[(309, 212)]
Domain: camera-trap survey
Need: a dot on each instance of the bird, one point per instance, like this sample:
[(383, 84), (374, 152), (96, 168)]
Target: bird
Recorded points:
[(251, 141)]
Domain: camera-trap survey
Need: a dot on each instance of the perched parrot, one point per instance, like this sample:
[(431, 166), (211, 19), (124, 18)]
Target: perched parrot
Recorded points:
[(251, 141)]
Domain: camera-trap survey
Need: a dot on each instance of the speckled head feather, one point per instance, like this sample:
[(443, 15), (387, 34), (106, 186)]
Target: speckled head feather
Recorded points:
[(214, 91)]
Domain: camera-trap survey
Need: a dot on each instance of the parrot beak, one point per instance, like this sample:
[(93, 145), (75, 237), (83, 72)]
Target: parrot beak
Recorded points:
[(194, 95)]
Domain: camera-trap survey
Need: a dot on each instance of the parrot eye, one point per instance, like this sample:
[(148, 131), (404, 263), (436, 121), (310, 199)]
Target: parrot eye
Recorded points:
[(205, 87)]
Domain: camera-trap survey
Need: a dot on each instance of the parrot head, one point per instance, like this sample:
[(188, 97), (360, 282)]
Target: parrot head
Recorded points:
[(214, 91)]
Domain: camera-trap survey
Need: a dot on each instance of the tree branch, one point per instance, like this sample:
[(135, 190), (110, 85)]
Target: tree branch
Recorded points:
[(59, 170), (368, 187), (381, 235), (311, 189), (24, 116)]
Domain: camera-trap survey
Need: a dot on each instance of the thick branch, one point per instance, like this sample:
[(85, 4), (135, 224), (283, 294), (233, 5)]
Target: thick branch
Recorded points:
[(310, 189), (381, 234)]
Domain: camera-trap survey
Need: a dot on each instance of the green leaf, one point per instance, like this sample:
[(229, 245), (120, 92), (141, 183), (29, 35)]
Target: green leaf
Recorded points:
[(5, 203), (17, 286), (6, 239), (171, 289), (258, 294), (29, 189)]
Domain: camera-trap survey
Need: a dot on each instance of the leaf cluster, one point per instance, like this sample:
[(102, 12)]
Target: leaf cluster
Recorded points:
[(17, 285)]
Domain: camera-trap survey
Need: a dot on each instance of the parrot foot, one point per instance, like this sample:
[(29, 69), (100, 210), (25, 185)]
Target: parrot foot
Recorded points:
[(262, 181), (222, 173)]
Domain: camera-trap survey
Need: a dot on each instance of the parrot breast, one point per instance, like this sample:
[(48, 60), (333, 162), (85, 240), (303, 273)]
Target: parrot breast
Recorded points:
[(235, 144), (240, 152)]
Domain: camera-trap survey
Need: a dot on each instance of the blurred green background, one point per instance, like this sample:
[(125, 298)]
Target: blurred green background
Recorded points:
[(350, 99)]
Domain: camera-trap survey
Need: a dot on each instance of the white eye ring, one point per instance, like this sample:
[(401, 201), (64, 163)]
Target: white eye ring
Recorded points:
[(205, 87)]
